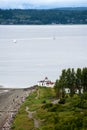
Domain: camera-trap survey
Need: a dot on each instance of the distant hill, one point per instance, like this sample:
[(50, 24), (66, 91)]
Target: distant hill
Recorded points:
[(71, 8), (43, 17)]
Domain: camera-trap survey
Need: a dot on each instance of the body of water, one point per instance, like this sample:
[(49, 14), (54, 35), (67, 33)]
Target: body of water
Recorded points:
[(31, 53)]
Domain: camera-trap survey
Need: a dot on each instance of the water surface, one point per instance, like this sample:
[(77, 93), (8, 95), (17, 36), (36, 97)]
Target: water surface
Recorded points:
[(40, 51)]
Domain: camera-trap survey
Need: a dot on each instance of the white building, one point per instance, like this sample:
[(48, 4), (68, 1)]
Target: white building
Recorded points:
[(46, 83), (67, 91), (77, 91)]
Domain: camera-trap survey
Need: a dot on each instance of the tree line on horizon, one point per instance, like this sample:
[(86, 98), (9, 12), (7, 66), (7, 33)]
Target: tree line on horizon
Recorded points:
[(43, 17), (71, 79)]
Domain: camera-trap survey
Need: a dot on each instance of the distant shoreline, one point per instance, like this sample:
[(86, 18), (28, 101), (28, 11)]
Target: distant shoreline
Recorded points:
[(66, 16)]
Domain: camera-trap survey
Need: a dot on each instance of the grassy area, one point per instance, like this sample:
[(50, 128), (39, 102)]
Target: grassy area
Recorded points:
[(70, 115), (34, 102)]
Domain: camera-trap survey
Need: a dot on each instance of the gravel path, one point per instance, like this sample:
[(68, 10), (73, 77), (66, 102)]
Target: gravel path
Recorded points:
[(30, 115)]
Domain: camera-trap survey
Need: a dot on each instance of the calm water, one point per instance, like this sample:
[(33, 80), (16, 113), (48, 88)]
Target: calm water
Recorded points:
[(40, 51)]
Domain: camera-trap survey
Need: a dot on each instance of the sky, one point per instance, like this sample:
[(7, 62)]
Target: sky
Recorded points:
[(38, 4)]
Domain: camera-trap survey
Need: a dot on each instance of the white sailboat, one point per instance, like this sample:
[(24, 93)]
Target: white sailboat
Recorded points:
[(14, 41)]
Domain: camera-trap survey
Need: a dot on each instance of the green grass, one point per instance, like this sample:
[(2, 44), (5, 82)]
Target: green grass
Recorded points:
[(22, 121), (72, 115)]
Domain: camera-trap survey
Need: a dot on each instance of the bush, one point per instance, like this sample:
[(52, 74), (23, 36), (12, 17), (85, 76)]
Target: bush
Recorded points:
[(44, 101), (62, 101), (54, 108), (13, 127), (84, 96), (47, 105)]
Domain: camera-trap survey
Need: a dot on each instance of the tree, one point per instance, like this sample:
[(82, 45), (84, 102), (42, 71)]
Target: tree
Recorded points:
[(71, 79), (84, 79), (57, 88), (70, 76), (79, 79), (63, 82)]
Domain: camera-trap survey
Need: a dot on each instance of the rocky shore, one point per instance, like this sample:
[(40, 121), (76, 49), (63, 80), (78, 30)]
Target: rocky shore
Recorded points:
[(10, 102)]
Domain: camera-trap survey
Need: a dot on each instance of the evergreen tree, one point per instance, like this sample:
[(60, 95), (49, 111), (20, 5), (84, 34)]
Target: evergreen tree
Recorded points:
[(73, 79), (70, 80), (79, 79), (57, 88), (63, 82), (84, 79)]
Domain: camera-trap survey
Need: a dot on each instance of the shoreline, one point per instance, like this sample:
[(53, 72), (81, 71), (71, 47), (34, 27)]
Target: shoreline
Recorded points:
[(10, 103)]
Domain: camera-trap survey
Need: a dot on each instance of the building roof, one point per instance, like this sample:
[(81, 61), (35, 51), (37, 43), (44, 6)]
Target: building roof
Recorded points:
[(46, 81)]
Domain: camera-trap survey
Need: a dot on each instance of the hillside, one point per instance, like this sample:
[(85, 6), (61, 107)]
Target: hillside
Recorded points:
[(41, 111), (43, 17)]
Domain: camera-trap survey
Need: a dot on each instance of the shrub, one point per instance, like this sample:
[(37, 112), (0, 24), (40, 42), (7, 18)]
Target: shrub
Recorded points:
[(62, 101), (54, 108), (13, 127), (44, 101), (47, 105)]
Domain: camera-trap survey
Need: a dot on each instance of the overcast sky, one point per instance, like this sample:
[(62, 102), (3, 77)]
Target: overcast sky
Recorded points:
[(23, 4)]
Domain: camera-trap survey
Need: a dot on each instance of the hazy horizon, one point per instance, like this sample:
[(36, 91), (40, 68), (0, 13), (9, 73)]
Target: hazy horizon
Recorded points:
[(40, 4)]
